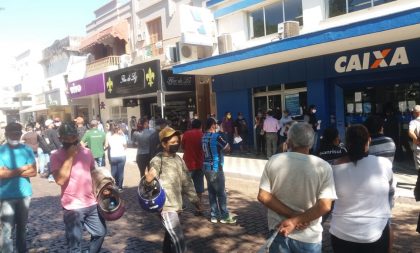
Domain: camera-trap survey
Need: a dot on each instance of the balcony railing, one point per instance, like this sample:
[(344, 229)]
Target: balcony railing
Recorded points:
[(102, 65)]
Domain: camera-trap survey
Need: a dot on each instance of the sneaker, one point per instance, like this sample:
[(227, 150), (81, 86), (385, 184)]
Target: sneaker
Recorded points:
[(51, 179), (213, 220), (229, 220), (120, 189)]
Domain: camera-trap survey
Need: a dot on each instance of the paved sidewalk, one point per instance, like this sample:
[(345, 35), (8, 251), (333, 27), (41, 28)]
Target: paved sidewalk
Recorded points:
[(138, 231)]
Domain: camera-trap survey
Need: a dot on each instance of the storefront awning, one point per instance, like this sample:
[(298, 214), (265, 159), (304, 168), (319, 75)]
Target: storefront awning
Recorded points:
[(119, 30), (34, 108), (391, 28)]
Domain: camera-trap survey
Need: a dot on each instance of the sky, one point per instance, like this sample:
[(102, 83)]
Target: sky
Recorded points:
[(26, 24)]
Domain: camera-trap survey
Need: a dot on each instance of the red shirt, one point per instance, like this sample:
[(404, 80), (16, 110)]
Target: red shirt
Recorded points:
[(193, 152)]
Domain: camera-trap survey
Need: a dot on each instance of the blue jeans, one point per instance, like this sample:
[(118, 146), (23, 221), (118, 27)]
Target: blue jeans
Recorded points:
[(14, 212), (117, 170), (74, 220), (217, 194), (283, 244), (43, 159), (100, 162), (198, 179)]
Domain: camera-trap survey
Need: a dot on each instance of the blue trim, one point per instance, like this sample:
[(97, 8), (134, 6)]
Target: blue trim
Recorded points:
[(211, 3), (389, 22), (235, 7)]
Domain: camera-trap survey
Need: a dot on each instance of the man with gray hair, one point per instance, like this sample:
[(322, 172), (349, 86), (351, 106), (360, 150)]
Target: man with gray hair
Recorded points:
[(414, 134), (297, 188)]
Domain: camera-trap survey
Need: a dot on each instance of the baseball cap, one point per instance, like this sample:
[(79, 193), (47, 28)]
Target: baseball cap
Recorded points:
[(168, 132), (48, 122)]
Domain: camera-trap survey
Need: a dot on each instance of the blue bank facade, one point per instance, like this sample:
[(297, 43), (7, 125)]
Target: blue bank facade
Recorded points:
[(346, 86)]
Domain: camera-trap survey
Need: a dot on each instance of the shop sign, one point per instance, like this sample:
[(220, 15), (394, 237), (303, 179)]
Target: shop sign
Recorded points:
[(86, 86), (388, 57), (197, 25), (52, 98), (174, 82), (135, 80)]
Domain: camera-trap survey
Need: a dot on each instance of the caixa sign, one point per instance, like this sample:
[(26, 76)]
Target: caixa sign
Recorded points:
[(372, 60)]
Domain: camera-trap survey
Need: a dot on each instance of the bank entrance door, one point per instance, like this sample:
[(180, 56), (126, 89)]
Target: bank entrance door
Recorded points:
[(393, 102), (277, 98)]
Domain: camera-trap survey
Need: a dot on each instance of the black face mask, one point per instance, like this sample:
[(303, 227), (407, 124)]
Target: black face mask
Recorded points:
[(173, 148), (67, 145)]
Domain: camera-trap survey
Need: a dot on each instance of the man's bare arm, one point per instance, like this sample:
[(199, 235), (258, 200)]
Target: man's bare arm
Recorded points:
[(321, 207), (30, 171), (270, 201), (6, 173)]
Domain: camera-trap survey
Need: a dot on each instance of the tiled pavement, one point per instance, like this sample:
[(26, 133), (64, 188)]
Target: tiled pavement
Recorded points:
[(138, 231)]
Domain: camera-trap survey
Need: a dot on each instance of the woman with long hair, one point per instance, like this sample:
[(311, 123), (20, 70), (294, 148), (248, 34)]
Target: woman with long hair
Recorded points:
[(360, 218), (117, 143)]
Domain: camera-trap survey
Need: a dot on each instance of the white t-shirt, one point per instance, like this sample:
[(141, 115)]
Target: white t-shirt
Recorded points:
[(117, 145), (362, 210), (298, 181), (415, 127)]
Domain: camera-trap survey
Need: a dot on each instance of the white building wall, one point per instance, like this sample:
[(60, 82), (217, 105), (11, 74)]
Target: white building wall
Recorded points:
[(314, 19)]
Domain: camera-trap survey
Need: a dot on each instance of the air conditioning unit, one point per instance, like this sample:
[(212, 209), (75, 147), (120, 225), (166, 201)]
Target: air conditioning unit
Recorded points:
[(288, 29), (125, 61), (186, 52), (224, 42)]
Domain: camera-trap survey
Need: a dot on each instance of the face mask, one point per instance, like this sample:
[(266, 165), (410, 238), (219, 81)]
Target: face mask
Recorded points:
[(313, 111), (259, 115), (173, 148), (240, 117), (12, 142), (229, 116), (217, 129), (195, 117), (67, 145)]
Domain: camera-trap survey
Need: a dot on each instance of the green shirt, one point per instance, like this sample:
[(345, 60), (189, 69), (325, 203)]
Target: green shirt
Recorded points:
[(95, 140)]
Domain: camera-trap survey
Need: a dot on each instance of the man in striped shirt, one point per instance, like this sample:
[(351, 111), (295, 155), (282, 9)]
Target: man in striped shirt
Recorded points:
[(380, 144)]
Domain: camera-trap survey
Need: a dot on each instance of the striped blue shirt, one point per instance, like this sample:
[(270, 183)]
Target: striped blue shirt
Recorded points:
[(213, 145), (382, 145)]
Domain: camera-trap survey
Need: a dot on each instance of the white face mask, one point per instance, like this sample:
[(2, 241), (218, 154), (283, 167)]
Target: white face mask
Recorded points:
[(195, 117), (12, 142)]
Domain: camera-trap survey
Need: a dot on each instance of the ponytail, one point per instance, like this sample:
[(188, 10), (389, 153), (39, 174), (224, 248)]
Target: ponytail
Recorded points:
[(357, 136)]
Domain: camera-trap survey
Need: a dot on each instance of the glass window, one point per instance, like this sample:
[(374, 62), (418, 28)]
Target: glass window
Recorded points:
[(257, 23), (336, 8), (379, 2), (339, 7), (357, 5), (264, 21), (293, 11), (273, 16)]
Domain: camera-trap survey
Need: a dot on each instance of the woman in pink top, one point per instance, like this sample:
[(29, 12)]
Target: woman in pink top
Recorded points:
[(71, 166)]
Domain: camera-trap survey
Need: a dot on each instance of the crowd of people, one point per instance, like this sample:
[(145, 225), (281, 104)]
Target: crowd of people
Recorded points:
[(351, 184)]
